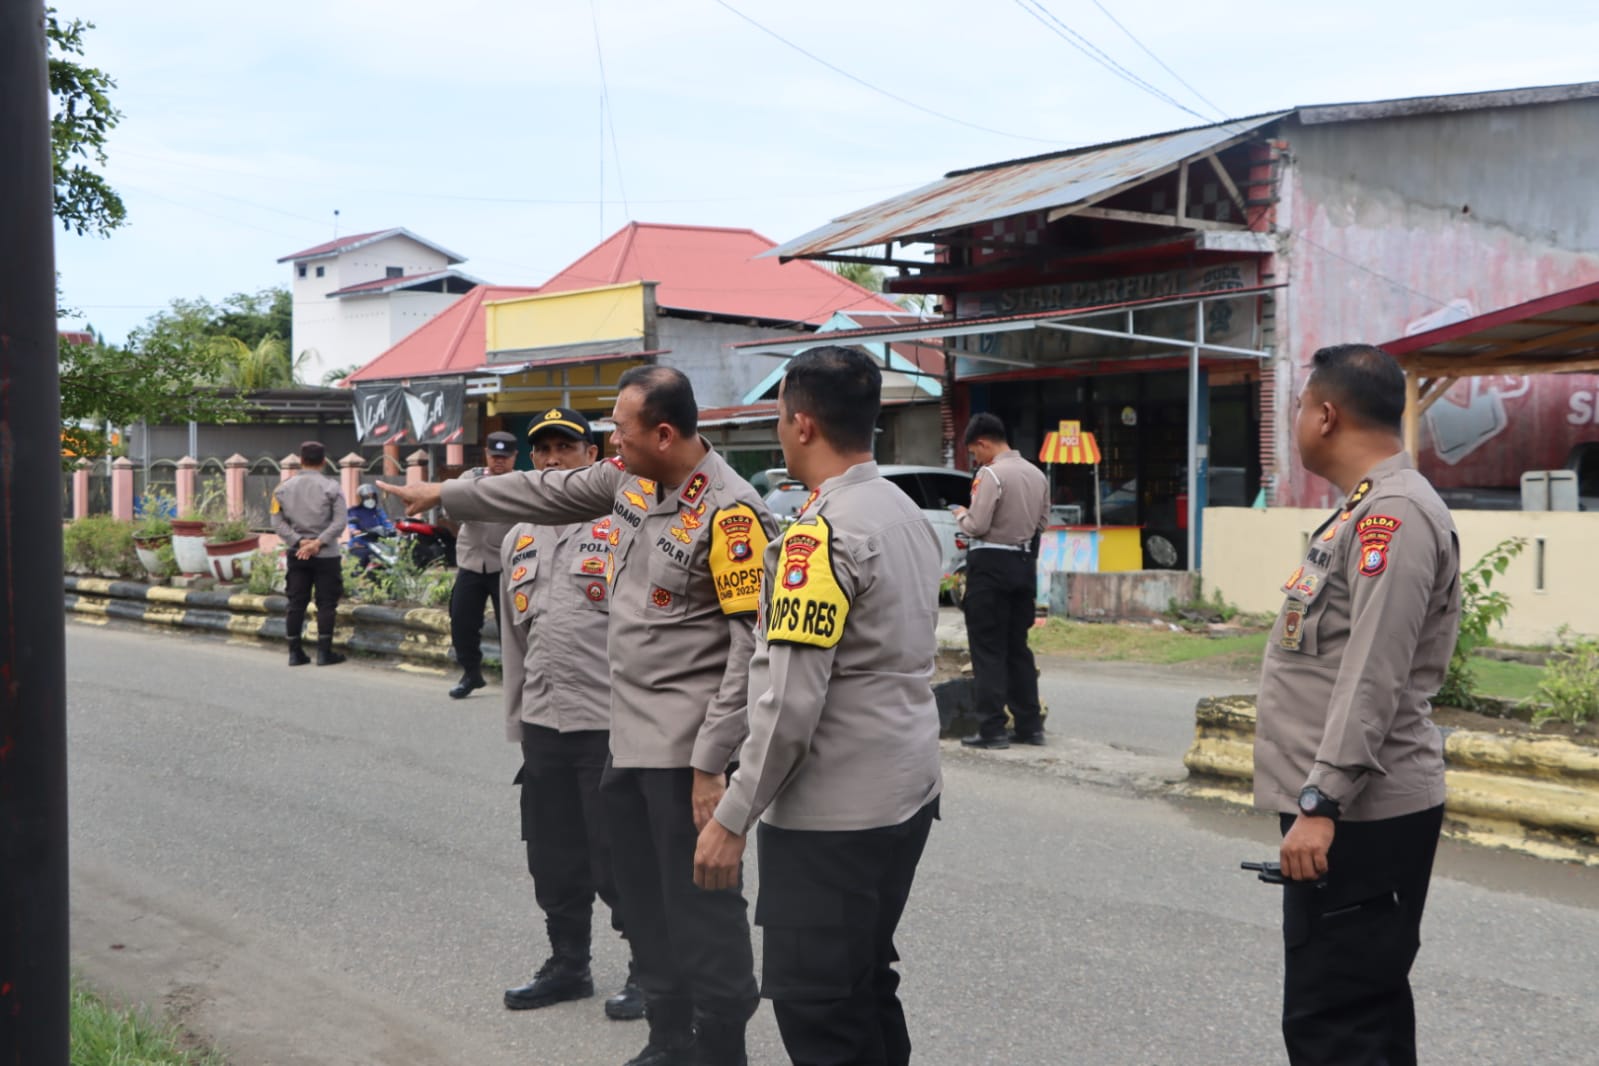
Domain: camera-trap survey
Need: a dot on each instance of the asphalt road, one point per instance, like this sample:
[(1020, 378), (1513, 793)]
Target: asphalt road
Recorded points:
[(321, 866)]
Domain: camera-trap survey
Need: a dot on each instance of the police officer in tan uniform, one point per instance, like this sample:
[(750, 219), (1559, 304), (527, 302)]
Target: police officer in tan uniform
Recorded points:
[(308, 515), (477, 571), (556, 606), (687, 534), (841, 768), (1345, 748), (1010, 507)]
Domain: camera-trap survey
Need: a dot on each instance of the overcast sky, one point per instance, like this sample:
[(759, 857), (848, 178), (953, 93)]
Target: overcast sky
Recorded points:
[(477, 123)]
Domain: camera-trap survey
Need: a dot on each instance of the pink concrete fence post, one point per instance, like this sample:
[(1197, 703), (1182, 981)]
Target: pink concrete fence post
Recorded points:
[(350, 468), (416, 467), (188, 467), (455, 455), (122, 489), (234, 468), (391, 461), (80, 488), (288, 468)]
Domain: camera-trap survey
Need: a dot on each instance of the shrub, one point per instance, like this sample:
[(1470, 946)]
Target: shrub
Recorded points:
[(1569, 691), (101, 544), (227, 530), (266, 573), (1481, 609)]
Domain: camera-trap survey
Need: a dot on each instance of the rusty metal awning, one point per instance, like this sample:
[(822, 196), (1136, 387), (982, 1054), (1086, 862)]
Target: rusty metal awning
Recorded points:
[(1558, 333), (982, 194), (1069, 321)]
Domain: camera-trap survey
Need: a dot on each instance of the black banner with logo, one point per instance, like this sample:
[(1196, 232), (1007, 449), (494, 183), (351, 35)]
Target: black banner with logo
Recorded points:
[(422, 412)]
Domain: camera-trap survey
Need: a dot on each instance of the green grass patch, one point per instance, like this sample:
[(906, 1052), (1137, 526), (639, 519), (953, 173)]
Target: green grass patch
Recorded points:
[(105, 1036), (1506, 680), (1145, 644)]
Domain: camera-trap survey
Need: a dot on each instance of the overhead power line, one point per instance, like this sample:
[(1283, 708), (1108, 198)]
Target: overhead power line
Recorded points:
[(1180, 80), (610, 118), (879, 89), (1049, 21)]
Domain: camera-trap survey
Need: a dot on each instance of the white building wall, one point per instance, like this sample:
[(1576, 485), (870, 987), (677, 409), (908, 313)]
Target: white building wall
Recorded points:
[(345, 332)]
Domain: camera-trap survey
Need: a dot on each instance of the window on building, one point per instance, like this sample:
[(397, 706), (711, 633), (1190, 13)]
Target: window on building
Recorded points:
[(394, 272), (302, 270), (321, 271)]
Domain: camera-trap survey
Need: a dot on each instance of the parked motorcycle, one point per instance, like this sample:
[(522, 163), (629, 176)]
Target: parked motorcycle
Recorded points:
[(422, 543)]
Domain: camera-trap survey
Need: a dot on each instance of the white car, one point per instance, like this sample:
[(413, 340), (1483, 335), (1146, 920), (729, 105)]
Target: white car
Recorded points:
[(934, 488)]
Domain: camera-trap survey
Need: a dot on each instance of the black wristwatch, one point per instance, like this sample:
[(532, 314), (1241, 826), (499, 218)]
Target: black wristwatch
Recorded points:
[(1317, 804)]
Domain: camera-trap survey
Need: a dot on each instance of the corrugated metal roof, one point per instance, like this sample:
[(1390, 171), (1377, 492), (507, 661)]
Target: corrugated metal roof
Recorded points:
[(968, 197), (340, 245), (1552, 332)]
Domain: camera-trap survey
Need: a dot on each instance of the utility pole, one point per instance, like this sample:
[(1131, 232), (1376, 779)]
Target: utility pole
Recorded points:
[(33, 737)]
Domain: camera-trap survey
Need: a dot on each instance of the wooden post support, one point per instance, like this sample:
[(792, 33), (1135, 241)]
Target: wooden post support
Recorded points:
[(1412, 412)]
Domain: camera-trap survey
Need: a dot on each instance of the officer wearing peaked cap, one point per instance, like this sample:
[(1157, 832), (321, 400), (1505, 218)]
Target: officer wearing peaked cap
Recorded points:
[(477, 571), (556, 606), (687, 535), (1345, 749)]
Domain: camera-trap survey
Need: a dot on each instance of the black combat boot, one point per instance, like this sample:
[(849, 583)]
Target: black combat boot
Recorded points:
[(470, 680), (325, 655), (671, 1035), (297, 655), (628, 1004), (565, 975), (719, 1041)]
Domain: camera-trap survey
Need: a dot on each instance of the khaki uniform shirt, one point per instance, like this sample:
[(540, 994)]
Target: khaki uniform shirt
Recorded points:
[(555, 603), (1365, 634), (310, 506), (843, 724), (685, 570), (477, 544), (1010, 502)]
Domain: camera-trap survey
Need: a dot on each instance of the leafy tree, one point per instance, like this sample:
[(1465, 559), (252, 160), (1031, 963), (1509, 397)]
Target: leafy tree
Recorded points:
[(81, 119), (266, 366)]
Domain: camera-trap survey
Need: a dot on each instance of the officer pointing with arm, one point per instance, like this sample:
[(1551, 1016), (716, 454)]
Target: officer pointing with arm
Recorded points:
[(687, 535), (1345, 749), (841, 768), (1010, 507)]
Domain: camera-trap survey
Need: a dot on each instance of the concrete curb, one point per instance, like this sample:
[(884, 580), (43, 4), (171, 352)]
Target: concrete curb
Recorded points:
[(419, 635), (1537, 794)]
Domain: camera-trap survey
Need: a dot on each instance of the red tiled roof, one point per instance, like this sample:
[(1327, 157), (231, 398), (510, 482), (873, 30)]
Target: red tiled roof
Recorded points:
[(344, 244), (452, 342), (76, 336), (714, 270)]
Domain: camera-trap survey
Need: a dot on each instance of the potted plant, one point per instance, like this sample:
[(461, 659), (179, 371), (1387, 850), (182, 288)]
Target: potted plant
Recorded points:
[(152, 530), (189, 531), (229, 545)]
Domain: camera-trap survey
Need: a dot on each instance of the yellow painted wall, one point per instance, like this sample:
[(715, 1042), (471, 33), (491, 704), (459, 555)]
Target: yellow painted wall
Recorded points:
[(1248, 553), (614, 312), (591, 389)]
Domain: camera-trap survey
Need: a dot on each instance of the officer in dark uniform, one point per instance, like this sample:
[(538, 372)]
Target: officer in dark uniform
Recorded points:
[(1345, 748), (556, 609), (308, 515), (477, 571), (840, 774), (1010, 507), (687, 535)]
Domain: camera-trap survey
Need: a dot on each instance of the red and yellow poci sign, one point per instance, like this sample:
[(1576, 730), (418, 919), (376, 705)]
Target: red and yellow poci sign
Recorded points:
[(1069, 444)]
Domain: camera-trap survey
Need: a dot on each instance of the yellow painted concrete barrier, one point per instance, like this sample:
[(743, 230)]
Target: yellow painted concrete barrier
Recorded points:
[(1538, 794)]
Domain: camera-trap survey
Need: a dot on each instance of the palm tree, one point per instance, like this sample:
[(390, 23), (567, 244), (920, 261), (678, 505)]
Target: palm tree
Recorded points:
[(266, 366), (865, 275)]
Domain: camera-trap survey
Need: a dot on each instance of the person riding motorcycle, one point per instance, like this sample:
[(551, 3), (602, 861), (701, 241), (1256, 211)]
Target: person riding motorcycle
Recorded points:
[(367, 521)]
